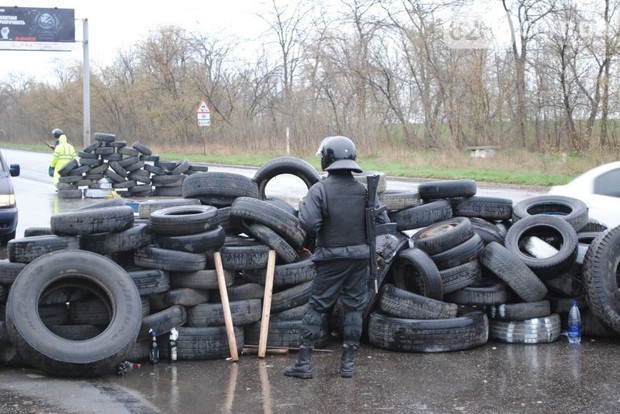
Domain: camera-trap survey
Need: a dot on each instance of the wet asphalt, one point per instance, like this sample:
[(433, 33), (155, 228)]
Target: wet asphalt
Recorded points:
[(494, 378)]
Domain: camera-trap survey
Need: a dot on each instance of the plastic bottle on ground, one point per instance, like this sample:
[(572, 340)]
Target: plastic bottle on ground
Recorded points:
[(574, 324)]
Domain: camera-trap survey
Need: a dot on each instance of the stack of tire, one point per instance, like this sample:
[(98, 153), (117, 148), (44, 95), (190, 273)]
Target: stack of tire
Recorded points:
[(479, 268), (132, 171), (105, 276)]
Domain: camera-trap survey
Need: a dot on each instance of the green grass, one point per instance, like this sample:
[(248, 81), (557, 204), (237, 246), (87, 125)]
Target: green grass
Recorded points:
[(531, 169)]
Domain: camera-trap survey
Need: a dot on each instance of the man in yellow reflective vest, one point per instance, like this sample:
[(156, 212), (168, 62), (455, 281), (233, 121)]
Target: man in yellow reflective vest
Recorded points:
[(63, 153)]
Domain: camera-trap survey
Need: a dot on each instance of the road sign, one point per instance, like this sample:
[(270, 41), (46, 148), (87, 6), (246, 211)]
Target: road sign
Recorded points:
[(203, 114), (203, 108)]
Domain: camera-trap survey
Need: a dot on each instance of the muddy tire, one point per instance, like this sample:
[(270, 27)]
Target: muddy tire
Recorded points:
[(421, 216), (403, 304), (105, 243), (416, 272), (277, 219), (556, 231), (91, 221), (506, 266), (529, 331), (59, 356), (27, 249), (443, 235), (285, 165), (600, 269), (432, 335), (570, 209), (182, 220), (433, 190)]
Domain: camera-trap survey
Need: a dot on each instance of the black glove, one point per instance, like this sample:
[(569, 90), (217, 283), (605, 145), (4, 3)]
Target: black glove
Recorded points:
[(50, 171)]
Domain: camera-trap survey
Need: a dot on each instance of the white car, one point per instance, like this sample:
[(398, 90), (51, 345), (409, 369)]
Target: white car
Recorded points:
[(599, 188)]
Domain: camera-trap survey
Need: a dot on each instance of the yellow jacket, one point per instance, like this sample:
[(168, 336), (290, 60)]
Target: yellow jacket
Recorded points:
[(63, 153)]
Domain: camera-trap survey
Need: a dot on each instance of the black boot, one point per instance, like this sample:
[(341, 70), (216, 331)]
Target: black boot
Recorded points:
[(303, 367), (346, 362)]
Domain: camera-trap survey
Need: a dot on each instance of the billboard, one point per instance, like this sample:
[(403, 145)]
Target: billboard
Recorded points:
[(30, 28)]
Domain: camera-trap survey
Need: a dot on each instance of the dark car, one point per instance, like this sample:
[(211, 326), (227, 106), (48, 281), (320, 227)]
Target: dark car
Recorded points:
[(8, 206)]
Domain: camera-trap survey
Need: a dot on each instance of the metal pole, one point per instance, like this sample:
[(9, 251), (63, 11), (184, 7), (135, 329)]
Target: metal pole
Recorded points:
[(86, 83)]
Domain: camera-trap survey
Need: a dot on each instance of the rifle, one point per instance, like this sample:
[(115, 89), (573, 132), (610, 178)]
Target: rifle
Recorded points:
[(52, 147), (371, 233)]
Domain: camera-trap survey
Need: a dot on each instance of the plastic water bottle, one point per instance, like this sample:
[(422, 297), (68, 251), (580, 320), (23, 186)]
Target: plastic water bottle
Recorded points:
[(574, 324)]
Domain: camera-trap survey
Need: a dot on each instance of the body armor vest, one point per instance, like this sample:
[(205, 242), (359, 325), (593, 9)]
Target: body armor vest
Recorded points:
[(345, 223)]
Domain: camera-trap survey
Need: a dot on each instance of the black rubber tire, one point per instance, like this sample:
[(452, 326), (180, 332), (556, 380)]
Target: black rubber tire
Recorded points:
[(461, 276), (600, 277), (285, 252), (520, 311), (593, 225), (432, 190), (37, 231), (570, 209), (465, 252), (89, 312), (244, 291), (165, 259), (105, 243), (399, 200), (80, 222), (277, 219), (481, 293), (291, 297), (290, 274), (9, 271), (421, 216), (186, 297), (285, 333), (487, 231), (142, 149), (162, 322), (416, 272), (530, 331), (567, 285), (506, 266), (194, 243), (285, 165), (103, 137), (200, 279), (58, 356), (204, 343), (404, 304), (443, 235), (432, 335), (27, 249), (488, 208), (182, 220), (555, 231), (219, 184), (243, 312), (146, 208), (150, 281), (243, 257)]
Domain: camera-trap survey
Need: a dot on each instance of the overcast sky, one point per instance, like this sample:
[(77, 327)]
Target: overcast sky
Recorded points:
[(118, 24)]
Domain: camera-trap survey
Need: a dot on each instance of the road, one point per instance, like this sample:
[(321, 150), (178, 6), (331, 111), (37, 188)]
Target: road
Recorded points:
[(494, 378)]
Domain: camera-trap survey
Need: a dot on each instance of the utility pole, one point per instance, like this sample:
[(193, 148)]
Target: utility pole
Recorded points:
[(86, 82)]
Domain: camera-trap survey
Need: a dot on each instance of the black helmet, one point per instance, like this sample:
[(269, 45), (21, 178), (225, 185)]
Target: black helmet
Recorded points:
[(57, 132), (338, 153)]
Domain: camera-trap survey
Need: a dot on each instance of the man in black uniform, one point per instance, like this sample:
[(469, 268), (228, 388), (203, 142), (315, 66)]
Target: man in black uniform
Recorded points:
[(334, 210)]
